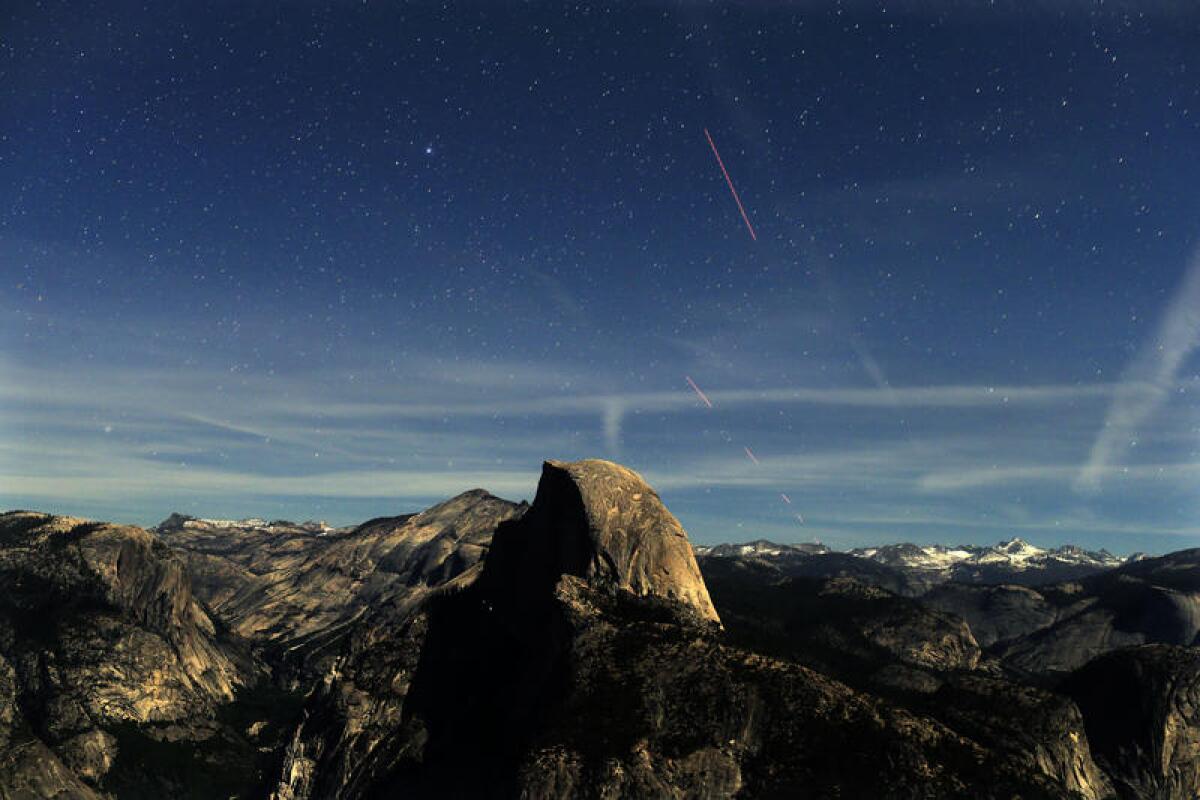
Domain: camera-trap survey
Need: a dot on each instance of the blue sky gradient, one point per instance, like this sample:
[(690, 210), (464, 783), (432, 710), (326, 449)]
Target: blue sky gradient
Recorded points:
[(343, 260)]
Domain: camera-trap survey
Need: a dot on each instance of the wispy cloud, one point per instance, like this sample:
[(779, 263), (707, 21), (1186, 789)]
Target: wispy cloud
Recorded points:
[(943, 396), (1034, 473), (150, 481), (138, 442), (259, 405), (1149, 380)]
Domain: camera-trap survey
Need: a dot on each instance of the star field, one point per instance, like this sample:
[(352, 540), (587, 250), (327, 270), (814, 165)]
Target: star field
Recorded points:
[(345, 259)]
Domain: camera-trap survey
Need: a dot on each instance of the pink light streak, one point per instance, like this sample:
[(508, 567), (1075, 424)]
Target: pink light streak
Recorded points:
[(729, 180), (786, 499), (750, 453), (699, 393)]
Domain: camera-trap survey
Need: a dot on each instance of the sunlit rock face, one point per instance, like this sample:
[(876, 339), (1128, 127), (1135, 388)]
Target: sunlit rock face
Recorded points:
[(298, 591), (1141, 707), (136, 661), (136, 644), (100, 632), (1040, 729), (602, 522)]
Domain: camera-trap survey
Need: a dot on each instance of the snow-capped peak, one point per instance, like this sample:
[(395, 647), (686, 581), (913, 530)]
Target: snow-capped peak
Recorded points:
[(1009, 556), (1013, 554), (249, 522), (761, 548), (177, 522)]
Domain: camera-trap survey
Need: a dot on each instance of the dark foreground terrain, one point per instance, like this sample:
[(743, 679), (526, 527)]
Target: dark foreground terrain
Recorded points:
[(577, 647)]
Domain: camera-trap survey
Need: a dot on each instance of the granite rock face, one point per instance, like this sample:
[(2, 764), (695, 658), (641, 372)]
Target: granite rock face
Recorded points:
[(371, 718), (601, 522), (1142, 710), (102, 641), (838, 625), (674, 711), (297, 594), (1038, 728), (133, 667), (142, 648), (995, 613), (921, 659), (1151, 601)]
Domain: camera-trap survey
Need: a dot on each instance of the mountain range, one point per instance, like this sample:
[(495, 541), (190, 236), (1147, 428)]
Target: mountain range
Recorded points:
[(1013, 561), (579, 646)]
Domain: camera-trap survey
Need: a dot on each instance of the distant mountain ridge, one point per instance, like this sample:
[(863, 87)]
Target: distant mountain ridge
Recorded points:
[(177, 522), (1015, 553), (761, 547), (1011, 554), (1009, 561)]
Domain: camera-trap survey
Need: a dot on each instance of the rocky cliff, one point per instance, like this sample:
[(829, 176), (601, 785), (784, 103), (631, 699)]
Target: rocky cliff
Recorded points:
[(1142, 710), (1154, 600), (103, 646), (297, 594), (601, 522)]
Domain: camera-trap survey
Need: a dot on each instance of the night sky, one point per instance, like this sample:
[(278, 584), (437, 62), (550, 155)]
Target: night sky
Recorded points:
[(335, 261)]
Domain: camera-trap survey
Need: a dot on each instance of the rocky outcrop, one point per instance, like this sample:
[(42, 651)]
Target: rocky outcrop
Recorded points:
[(839, 625), (130, 663), (1040, 729), (138, 646), (100, 634), (601, 522), (592, 520), (995, 613), (1141, 707), (28, 768), (907, 631), (297, 593), (1154, 600), (672, 711), (926, 660)]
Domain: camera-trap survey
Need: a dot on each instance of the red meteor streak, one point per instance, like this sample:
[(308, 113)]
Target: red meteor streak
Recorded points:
[(750, 453), (699, 393), (728, 180)]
